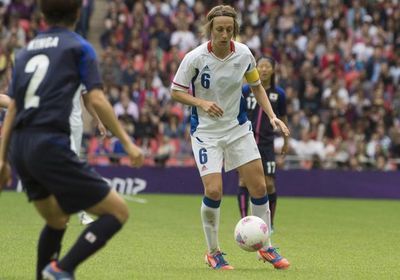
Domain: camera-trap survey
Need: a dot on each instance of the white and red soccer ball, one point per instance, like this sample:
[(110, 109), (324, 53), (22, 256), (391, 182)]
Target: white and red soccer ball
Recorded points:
[(251, 233)]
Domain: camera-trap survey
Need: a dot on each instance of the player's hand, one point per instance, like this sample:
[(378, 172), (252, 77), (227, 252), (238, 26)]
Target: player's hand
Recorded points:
[(135, 155), (5, 174), (285, 148), (212, 109), (275, 122), (102, 130)]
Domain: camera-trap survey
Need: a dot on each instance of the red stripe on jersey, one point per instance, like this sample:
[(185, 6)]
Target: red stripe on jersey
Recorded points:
[(180, 85), (232, 46)]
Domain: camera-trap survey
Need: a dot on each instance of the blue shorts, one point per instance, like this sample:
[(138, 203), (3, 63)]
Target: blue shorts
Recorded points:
[(268, 158), (47, 166)]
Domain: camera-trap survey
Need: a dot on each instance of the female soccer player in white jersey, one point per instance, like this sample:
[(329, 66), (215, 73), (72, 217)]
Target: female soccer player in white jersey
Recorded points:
[(76, 124), (221, 133)]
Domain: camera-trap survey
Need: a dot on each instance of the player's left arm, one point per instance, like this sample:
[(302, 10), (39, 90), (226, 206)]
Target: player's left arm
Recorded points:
[(5, 170), (96, 99), (253, 78), (283, 116), (285, 147)]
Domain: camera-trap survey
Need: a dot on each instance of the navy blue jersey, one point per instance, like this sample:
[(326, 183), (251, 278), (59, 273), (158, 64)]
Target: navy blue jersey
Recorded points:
[(262, 127), (47, 74)]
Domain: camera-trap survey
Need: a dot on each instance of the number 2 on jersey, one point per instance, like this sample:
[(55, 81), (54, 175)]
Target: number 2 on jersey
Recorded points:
[(38, 65)]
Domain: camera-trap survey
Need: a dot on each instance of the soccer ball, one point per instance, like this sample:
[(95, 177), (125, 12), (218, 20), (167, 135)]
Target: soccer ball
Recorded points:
[(251, 233)]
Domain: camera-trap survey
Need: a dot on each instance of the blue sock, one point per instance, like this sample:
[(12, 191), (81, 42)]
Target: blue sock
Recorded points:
[(91, 240), (49, 247)]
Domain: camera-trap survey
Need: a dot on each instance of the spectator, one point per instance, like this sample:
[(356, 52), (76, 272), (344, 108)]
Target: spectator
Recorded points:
[(338, 60), (125, 107)]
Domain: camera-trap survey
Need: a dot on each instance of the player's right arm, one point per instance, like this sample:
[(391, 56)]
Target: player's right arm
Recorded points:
[(211, 108), (5, 170), (96, 98), (99, 125), (180, 89), (4, 100)]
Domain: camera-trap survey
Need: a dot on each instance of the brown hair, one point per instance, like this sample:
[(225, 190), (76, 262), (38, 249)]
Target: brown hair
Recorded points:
[(63, 12), (218, 11)]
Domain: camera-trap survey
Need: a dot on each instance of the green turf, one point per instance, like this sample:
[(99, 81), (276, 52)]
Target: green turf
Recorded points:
[(322, 238)]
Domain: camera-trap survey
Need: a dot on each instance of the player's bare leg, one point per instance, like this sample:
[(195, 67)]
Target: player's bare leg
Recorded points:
[(210, 214), (243, 198), (271, 190), (252, 173)]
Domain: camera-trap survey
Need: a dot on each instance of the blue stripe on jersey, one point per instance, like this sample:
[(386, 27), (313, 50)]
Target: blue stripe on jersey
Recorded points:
[(194, 118), (88, 55), (246, 90), (242, 117), (281, 101)]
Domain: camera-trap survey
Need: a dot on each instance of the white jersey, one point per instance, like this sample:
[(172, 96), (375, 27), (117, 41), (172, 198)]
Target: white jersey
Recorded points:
[(75, 120), (218, 80)]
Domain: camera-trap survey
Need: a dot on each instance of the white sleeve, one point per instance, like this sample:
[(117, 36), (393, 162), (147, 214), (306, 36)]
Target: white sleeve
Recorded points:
[(252, 64), (83, 89), (184, 75)]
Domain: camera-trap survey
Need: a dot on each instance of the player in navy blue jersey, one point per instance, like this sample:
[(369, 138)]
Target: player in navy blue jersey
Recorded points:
[(264, 133), (46, 75)]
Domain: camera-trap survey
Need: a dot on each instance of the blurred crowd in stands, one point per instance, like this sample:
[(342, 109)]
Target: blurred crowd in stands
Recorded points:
[(339, 62)]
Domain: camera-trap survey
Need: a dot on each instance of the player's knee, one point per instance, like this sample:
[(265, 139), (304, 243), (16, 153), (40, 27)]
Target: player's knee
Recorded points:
[(258, 191), (270, 185), (214, 193), (59, 222), (271, 188)]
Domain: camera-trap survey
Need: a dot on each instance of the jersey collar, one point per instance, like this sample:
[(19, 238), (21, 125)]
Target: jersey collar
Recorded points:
[(209, 46)]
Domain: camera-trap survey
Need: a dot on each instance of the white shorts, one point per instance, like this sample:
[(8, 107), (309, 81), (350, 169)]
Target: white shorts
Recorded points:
[(231, 151), (76, 138)]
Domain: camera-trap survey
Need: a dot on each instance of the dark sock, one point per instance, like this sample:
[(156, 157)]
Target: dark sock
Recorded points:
[(91, 240), (272, 205), (49, 247), (243, 200)]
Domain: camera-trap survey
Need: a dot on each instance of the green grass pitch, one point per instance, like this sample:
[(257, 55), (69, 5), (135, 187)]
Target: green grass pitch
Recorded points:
[(322, 238)]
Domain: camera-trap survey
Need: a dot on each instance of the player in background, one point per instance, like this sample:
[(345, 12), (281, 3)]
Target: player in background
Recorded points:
[(264, 133), (76, 124), (47, 74), (220, 131)]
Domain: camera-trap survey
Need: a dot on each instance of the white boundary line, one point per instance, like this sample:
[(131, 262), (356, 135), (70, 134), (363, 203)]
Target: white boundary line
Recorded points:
[(135, 199)]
